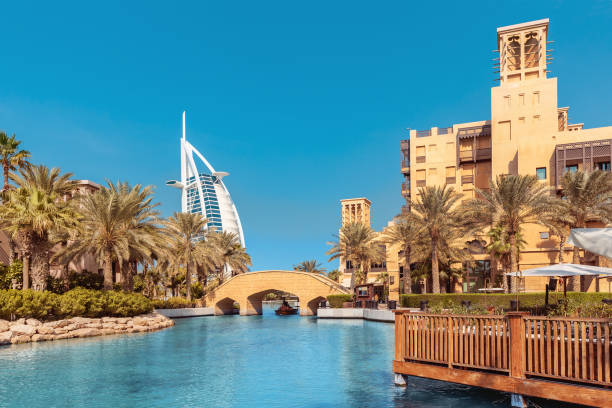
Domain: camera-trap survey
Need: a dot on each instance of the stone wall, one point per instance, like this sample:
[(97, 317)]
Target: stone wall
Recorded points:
[(28, 330)]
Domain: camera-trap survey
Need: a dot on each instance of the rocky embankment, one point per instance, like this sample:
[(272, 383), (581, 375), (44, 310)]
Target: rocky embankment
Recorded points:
[(28, 330)]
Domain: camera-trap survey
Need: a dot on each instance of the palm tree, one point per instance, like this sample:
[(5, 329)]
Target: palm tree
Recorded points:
[(232, 253), (511, 202), (435, 214), (146, 241), (334, 275), (499, 249), (311, 266), (587, 197), (30, 214), (357, 243), (118, 224), (12, 158), (188, 248), (384, 278), (407, 235)]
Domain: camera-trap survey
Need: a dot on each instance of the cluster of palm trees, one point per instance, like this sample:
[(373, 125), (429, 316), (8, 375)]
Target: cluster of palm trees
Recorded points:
[(439, 225), (49, 221)]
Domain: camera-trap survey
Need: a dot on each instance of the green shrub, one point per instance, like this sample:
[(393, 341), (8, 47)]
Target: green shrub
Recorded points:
[(139, 282), (10, 272), (578, 303), (126, 304), (197, 291), (172, 303), (15, 304), (56, 285), (86, 279), (338, 300)]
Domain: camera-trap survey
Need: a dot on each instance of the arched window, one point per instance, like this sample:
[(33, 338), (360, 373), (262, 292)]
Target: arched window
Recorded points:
[(513, 56), (532, 50)]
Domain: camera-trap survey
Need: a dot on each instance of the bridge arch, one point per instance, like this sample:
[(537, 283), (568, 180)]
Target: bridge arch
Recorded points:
[(249, 289)]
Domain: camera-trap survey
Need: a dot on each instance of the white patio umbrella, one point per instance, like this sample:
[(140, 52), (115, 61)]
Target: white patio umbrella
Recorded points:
[(595, 240), (564, 271)]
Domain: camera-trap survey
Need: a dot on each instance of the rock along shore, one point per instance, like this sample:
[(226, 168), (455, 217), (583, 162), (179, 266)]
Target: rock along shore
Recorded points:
[(32, 330)]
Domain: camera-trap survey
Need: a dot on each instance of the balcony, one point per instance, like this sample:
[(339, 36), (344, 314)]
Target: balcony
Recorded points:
[(423, 133), (420, 183), (467, 179), (420, 159), (406, 189), (445, 131), (466, 156), (451, 180), (405, 166), (583, 155)]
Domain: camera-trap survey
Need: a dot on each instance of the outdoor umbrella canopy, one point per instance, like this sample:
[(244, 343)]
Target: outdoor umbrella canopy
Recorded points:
[(564, 270), (595, 240)]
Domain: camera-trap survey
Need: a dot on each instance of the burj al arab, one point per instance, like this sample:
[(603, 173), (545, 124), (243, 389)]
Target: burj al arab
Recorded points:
[(203, 191)]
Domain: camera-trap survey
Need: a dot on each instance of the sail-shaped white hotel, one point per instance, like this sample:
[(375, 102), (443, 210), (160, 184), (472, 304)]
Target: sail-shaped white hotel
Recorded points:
[(205, 192)]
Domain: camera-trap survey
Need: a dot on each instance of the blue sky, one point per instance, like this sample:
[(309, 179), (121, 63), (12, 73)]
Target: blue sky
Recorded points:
[(304, 103)]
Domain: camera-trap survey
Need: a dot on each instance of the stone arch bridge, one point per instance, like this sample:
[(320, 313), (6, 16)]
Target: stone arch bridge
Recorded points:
[(249, 289)]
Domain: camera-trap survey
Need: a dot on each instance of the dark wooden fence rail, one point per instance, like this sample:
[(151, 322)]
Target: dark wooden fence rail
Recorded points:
[(568, 349), (571, 349)]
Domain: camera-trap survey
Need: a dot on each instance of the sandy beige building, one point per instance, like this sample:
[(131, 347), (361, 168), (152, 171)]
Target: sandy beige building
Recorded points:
[(527, 133)]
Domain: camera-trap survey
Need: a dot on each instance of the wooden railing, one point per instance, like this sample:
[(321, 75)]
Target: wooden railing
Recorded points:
[(518, 345), (568, 349), (463, 341)]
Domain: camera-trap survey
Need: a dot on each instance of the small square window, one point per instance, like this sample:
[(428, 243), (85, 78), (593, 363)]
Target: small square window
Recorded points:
[(544, 235), (541, 173)]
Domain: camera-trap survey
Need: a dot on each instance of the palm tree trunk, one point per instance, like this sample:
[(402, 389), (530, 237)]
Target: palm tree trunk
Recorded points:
[(108, 271), (5, 169), (575, 280), (513, 262), (26, 271), (407, 276), (435, 268), (188, 279)]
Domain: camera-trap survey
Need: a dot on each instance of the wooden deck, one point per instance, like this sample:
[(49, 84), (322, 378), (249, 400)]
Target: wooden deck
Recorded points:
[(564, 359)]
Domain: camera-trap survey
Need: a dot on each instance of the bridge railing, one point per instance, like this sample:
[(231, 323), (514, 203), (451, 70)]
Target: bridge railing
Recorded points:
[(569, 349)]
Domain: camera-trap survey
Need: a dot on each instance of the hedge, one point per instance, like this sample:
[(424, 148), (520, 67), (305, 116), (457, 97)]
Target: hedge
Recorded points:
[(577, 303), (172, 303), (338, 300), (15, 304)]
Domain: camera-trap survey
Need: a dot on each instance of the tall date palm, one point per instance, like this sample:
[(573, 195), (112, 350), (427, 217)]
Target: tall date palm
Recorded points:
[(436, 215), (511, 202), (358, 244), (32, 212), (117, 223), (11, 156)]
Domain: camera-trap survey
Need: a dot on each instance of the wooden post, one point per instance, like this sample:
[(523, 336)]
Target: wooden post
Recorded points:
[(400, 334), (516, 325), (449, 341)]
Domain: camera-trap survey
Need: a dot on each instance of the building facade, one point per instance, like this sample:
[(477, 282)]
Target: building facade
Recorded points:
[(203, 191), (527, 133)]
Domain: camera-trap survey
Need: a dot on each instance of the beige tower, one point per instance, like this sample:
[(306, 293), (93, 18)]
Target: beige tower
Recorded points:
[(524, 105), (356, 210)]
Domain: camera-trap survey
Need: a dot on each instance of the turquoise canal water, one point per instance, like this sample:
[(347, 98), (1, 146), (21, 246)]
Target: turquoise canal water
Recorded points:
[(230, 361)]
